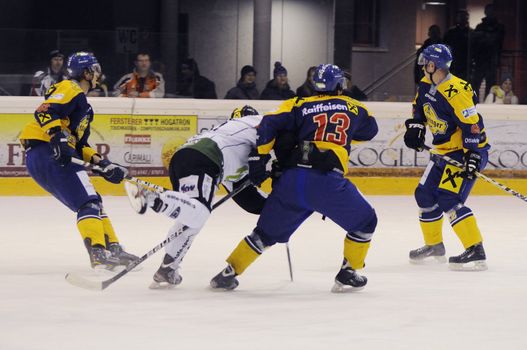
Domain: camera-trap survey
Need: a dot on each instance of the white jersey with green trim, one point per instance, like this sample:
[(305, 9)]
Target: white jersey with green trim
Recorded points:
[(235, 138)]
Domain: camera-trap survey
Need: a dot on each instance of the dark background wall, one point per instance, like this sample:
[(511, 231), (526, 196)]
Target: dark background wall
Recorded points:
[(29, 29)]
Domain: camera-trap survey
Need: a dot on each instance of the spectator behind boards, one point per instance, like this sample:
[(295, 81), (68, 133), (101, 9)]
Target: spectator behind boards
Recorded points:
[(245, 89), (278, 88), (142, 82), (502, 94), (488, 36), (193, 84), (458, 38), (351, 90), (307, 89), (54, 73), (434, 37)]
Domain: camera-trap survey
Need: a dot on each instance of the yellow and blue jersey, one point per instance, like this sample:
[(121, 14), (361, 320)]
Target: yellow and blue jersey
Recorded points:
[(449, 110), (331, 122), (65, 106)]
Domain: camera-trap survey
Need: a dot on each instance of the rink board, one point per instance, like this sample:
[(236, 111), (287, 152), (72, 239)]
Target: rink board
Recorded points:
[(22, 186), (142, 134)]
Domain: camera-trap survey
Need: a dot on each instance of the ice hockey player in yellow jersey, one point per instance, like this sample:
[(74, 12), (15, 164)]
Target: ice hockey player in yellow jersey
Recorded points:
[(447, 105), (59, 132)]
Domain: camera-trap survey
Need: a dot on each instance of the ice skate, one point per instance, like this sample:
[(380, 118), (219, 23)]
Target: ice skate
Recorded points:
[(100, 258), (166, 277), (348, 280), (225, 280), (119, 253), (472, 259), (428, 254)]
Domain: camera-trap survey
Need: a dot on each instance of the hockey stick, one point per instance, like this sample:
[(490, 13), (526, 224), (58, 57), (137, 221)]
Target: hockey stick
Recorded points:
[(81, 282), (478, 174), (289, 261), (144, 183)]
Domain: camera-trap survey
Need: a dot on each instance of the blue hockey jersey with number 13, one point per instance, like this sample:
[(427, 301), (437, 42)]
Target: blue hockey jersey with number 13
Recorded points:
[(330, 122)]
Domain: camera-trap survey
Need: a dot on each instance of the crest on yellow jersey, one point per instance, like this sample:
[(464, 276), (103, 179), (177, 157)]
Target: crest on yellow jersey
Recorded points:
[(44, 118), (353, 108), (83, 125), (436, 124)]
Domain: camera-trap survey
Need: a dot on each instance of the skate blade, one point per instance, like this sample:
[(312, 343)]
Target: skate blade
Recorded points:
[(222, 289), (431, 260), (479, 265), (344, 288), (161, 285), (103, 267)]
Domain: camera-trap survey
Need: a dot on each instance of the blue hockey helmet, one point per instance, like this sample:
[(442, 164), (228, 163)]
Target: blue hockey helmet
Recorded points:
[(243, 111), (81, 61), (328, 77), (438, 53)]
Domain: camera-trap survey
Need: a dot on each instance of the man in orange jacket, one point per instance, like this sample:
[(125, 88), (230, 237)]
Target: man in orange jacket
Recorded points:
[(142, 82)]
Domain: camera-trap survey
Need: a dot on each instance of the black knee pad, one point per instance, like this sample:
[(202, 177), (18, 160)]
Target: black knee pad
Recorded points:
[(250, 200), (423, 198), (364, 234), (446, 202), (371, 225)]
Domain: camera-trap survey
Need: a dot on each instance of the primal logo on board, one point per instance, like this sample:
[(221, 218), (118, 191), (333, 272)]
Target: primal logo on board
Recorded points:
[(137, 158)]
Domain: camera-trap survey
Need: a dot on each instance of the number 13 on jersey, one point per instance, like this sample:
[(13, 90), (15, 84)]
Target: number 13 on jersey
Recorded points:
[(340, 122)]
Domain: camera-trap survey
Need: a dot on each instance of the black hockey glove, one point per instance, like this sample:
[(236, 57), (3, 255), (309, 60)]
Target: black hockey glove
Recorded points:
[(414, 137), (257, 170), (276, 170), (111, 172), (472, 165), (62, 152)]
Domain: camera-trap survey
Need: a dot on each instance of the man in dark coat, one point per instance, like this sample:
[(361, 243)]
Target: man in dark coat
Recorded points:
[(245, 89), (489, 36), (307, 89), (351, 90), (459, 39), (193, 84), (278, 88), (434, 37)]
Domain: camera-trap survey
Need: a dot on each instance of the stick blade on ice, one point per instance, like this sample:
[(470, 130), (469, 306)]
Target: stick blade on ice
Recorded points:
[(81, 282)]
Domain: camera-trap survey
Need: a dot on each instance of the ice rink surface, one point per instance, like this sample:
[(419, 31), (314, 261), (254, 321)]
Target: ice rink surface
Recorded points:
[(403, 306)]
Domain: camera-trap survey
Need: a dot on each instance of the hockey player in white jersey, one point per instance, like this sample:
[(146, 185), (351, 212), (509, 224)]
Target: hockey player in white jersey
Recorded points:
[(216, 156)]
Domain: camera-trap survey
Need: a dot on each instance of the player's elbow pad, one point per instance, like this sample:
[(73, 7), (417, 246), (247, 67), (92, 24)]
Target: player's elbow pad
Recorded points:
[(367, 131)]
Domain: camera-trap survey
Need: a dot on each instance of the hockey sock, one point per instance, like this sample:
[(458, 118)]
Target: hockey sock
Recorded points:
[(464, 224), (247, 251), (90, 225), (355, 250), (432, 231), (108, 228), (92, 228), (179, 246), (431, 220)]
